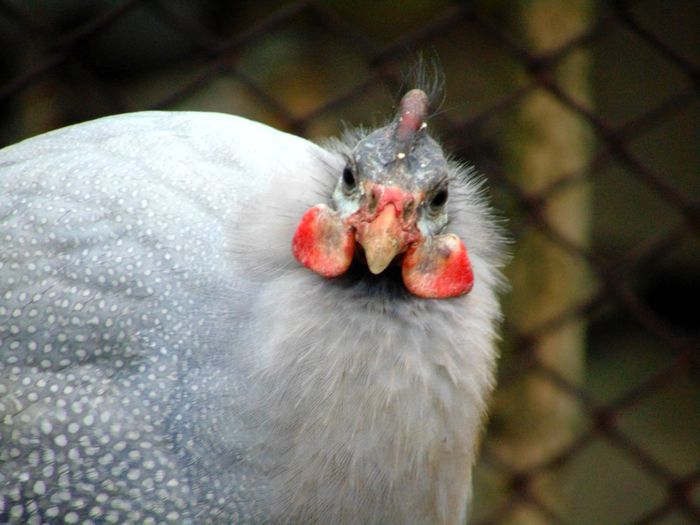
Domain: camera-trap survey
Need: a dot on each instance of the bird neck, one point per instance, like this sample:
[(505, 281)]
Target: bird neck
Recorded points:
[(369, 393)]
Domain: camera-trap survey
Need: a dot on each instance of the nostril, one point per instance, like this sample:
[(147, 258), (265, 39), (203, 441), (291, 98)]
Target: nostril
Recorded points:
[(408, 207), (373, 199)]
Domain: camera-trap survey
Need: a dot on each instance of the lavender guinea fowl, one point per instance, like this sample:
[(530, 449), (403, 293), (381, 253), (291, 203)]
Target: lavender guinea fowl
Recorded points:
[(205, 320)]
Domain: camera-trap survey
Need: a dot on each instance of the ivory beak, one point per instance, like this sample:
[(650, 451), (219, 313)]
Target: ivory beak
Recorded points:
[(382, 239)]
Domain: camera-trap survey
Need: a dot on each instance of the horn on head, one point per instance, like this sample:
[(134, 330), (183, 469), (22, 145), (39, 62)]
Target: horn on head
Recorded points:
[(413, 110)]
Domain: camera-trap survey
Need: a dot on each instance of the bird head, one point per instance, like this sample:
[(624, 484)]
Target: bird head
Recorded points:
[(389, 208)]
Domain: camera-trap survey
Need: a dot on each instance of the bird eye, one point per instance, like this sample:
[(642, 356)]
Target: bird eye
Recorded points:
[(348, 177), (439, 199)]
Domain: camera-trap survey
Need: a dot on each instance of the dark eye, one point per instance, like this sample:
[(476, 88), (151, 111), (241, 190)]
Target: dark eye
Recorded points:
[(348, 177), (439, 199)]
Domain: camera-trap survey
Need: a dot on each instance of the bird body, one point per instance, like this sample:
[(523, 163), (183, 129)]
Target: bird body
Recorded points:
[(165, 358)]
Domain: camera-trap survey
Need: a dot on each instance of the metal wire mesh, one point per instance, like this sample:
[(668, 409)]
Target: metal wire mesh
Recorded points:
[(304, 65)]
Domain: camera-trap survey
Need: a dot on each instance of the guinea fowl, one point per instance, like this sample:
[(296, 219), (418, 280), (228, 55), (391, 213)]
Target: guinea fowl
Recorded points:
[(205, 320)]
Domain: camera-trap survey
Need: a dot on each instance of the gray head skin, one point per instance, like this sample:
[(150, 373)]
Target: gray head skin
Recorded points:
[(165, 359), (400, 154)]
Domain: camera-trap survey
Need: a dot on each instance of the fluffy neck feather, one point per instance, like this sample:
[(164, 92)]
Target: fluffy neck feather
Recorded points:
[(371, 399)]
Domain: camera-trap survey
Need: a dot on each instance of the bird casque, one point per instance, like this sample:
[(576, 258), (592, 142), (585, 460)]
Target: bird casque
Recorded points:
[(205, 320)]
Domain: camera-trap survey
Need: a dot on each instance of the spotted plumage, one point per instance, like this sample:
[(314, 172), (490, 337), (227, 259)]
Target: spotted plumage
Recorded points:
[(164, 359)]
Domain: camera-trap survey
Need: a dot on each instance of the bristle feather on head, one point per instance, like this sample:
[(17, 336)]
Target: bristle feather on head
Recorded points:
[(426, 75)]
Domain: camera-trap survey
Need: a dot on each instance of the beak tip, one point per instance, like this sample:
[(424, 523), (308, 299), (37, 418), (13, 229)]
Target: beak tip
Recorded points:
[(379, 256), (377, 268)]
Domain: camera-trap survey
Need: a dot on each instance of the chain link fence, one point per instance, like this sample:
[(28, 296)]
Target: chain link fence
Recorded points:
[(610, 364)]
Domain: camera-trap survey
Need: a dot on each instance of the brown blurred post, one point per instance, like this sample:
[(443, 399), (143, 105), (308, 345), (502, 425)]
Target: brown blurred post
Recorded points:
[(546, 141)]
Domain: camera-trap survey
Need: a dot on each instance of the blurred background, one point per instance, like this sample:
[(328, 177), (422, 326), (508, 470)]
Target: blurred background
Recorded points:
[(584, 117)]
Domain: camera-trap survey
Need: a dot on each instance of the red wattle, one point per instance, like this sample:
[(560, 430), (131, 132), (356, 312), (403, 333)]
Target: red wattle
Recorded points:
[(323, 243), (439, 268)]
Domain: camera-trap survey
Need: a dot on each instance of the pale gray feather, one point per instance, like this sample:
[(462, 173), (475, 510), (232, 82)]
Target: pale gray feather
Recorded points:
[(163, 357)]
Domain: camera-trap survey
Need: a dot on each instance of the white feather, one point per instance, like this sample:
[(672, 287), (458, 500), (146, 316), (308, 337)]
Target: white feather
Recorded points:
[(270, 393)]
